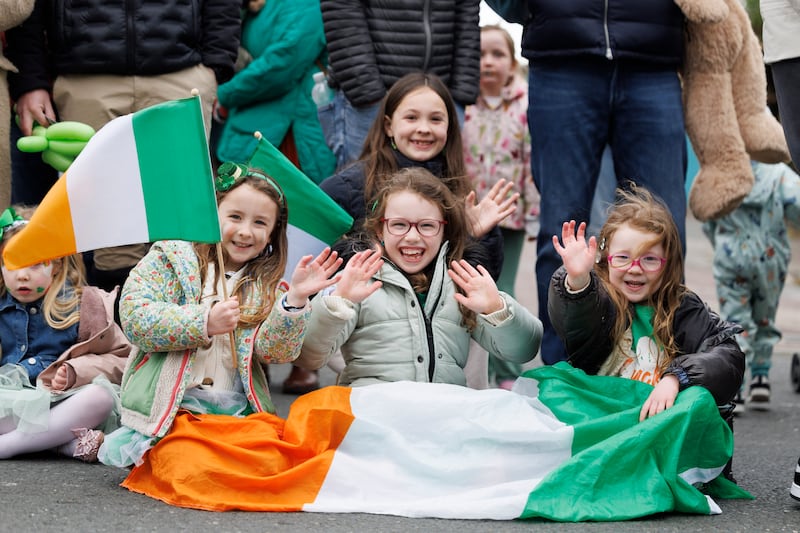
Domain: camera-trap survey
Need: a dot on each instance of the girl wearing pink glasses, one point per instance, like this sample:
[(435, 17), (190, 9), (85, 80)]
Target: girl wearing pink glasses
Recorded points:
[(414, 292), (622, 310)]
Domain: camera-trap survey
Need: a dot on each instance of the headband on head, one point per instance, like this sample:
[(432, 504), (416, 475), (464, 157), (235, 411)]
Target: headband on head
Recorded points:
[(229, 173), (10, 219)]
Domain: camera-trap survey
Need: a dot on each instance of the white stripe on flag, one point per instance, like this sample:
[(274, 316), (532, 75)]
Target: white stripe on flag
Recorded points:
[(416, 460), (300, 243), (104, 181)]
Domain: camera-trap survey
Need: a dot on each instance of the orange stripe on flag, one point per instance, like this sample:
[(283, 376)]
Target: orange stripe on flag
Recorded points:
[(257, 463), (48, 234)]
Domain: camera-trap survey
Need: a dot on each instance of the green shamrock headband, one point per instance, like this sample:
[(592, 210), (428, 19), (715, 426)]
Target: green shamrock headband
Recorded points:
[(10, 219), (229, 173)]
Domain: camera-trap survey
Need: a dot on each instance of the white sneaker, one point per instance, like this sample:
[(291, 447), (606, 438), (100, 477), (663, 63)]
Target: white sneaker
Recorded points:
[(759, 392), (795, 491)]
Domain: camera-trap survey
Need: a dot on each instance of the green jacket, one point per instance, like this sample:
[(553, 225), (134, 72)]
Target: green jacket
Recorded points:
[(273, 92)]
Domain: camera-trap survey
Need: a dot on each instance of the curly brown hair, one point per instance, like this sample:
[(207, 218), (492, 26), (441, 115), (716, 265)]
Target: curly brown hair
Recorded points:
[(641, 210)]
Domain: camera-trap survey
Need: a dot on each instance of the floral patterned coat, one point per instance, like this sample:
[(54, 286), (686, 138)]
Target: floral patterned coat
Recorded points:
[(162, 314), (497, 145)]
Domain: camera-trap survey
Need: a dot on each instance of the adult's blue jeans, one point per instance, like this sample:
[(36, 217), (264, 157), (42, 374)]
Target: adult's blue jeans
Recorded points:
[(576, 108), (345, 126)]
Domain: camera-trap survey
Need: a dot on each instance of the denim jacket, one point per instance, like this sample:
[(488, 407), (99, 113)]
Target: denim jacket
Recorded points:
[(27, 339)]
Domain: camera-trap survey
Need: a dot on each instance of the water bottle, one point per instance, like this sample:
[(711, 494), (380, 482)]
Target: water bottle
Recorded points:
[(321, 93)]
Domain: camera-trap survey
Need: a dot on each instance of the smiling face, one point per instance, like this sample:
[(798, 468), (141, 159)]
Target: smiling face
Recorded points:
[(497, 62), (419, 125), (636, 284), (29, 284), (247, 217), (411, 252)]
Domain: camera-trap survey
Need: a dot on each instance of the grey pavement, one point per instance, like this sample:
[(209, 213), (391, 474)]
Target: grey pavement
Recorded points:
[(42, 493)]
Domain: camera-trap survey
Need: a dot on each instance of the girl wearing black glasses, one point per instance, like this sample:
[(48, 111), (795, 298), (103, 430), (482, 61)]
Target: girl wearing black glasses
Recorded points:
[(398, 312), (622, 310)]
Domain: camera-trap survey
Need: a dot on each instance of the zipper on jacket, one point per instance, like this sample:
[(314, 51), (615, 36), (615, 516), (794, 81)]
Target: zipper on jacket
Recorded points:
[(426, 24), (609, 54), (429, 337)]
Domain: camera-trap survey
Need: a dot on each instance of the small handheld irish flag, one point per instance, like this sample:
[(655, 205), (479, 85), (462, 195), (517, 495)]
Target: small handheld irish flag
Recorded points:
[(315, 220), (143, 177)]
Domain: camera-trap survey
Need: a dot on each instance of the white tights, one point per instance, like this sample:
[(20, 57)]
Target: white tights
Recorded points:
[(87, 408)]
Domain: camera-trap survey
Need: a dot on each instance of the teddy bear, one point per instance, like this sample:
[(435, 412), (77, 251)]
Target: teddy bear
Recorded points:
[(725, 105)]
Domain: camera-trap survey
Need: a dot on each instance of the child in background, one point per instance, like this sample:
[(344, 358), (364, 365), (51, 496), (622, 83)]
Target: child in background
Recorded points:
[(417, 126), (751, 261), (398, 312), (62, 357), (173, 310), (622, 310), (497, 146)]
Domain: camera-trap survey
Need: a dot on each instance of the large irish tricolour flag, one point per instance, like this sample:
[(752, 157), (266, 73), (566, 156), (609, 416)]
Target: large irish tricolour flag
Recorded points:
[(142, 177), (563, 446)]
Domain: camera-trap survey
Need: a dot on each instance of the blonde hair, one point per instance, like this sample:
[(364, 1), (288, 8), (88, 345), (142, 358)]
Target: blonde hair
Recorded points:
[(263, 273), (61, 303), (639, 209)]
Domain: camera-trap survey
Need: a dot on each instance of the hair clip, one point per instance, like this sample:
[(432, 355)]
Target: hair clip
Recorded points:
[(10, 219), (229, 173)]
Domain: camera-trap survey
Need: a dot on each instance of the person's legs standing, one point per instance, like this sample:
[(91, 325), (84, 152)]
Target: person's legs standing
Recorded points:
[(568, 119), (501, 371), (735, 294), (767, 293), (345, 127), (786, 78), (648, 135)]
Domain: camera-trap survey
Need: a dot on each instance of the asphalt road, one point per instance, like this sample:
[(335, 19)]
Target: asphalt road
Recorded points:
[(42, 493)]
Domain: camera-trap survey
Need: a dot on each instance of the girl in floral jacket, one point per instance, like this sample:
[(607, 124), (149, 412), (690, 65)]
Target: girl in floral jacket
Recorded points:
[(198, 350), (497, 145)]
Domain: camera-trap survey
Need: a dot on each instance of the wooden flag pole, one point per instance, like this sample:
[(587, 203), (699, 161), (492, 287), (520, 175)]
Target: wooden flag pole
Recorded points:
[(221, 269)]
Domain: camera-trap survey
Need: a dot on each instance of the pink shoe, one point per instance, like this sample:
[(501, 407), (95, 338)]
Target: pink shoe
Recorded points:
[(89, 441)]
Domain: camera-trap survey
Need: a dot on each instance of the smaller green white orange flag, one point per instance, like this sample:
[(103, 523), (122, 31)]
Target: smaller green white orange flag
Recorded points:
[(143, 177), (315, 220)]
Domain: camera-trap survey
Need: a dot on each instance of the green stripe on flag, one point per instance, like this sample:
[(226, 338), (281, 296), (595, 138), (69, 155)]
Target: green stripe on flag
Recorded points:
[(175, 168), (310, 208), (622, 468)]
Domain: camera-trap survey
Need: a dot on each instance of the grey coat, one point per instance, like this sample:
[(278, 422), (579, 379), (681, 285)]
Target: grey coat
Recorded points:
[(391, 337)]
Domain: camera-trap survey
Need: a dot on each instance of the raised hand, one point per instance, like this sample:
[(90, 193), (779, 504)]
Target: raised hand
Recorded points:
[(481, 294), (577, 254), (354, 283), (223, 317), (312, 275), (495, 206)]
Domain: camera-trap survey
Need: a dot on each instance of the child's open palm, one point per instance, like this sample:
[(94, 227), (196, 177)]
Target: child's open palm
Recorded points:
[(354, 283), (495, 206), (312, 275), (481, 294), (576, 252)]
